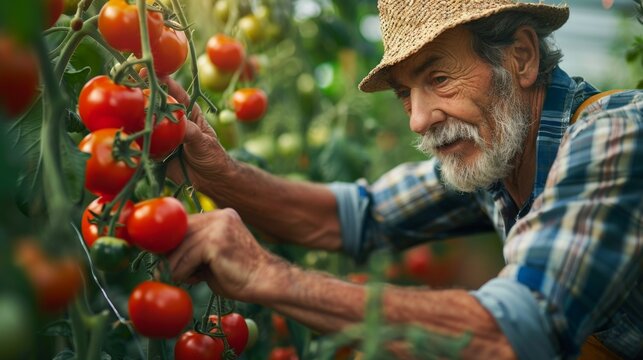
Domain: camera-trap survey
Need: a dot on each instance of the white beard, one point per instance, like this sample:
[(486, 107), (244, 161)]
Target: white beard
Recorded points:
[(512, 120)]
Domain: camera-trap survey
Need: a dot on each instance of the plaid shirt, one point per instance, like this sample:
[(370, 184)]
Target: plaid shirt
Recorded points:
[(575, 245)]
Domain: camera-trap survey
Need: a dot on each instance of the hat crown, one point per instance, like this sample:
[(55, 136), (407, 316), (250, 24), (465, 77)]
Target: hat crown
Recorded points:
[(408, 25), (405, 21)]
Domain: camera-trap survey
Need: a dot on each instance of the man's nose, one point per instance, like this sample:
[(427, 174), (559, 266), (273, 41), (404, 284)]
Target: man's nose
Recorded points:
[(424, 112)]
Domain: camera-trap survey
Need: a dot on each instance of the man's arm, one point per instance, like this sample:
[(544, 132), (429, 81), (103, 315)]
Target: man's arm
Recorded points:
[(220, 250)]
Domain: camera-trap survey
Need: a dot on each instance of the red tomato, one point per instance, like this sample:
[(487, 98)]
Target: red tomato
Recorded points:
[(105, 104), (357, 278), (249, 104), (56, 282), (118, 23), (283, 353), (169, 51), (158, 225), (166, 135), (194, 346), (250, 69), (159, 310), (53, 10), (18, 77), (434, 268), (90, 231), (235, 329), (225, 52), (104, 176), (280, 326)]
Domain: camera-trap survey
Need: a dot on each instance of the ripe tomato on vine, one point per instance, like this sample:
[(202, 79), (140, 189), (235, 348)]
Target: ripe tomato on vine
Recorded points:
[(195, 346), (158, 225), (118, 23), (225, 52), (250, 104), (169, 51), (167, 135), (159, 310), (104, 104), (104, 175), (235, 329), (90, 230)]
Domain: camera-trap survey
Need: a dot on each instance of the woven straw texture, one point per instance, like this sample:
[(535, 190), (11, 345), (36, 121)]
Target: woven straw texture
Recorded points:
[(408, 25)]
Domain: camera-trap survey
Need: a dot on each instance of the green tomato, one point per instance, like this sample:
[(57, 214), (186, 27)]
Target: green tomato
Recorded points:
[(253, 332), (251, 28), (289, 144), (110, 254), (262, 146), (221, 10), (210, 77)]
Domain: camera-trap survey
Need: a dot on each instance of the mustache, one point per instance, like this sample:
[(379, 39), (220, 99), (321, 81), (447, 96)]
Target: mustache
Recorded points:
[(448, 132)]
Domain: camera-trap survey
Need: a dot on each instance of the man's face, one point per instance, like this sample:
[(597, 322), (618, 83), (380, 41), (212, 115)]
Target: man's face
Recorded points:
[(470, 116)]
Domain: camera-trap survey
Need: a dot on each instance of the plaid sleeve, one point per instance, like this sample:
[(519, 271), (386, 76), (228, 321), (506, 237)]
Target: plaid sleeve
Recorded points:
[(579, 248), (406, 206)]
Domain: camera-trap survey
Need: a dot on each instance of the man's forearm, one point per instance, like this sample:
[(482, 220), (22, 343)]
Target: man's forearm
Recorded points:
[(296, 212), (330, 305)]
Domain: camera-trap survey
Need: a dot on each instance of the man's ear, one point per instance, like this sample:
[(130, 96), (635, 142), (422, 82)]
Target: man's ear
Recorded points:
[(524, 56)]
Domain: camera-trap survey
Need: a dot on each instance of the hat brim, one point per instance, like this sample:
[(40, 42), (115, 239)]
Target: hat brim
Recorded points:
[(549, 15)]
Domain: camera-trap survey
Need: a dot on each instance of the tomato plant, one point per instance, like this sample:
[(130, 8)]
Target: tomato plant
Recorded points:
[(250, 104), (110, 254), (90, 230), (104, 175), (225, 52), (166, 134), (104, 104), (159, 310), (235, 329), (18, 76), (158, 225), (118, 23), (169, 51), (195, 346)]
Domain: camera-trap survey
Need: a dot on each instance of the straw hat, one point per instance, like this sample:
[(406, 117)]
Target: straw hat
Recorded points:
[(408, 25)]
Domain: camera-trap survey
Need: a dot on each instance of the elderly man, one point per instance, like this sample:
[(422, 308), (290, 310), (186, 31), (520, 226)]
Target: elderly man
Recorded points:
[(480, 83)]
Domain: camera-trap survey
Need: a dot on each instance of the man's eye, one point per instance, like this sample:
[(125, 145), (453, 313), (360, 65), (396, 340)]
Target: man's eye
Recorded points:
[(440, 79)]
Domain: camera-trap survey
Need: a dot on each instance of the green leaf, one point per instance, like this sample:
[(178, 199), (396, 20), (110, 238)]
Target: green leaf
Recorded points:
[(24, 141), (58, 328), (342, 160), (65, 355), (73, 161)]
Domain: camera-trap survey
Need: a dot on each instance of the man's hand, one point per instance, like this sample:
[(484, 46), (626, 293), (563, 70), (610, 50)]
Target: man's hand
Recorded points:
[(203, 155), (219, 249)]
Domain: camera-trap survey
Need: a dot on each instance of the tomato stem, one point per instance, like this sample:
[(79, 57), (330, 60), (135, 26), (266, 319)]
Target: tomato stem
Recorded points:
[(98, 326), (71, 45)]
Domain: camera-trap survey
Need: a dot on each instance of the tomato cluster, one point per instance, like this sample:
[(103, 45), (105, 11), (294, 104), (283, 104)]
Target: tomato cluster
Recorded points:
[(118, 23), (224, 57), (193, 345)]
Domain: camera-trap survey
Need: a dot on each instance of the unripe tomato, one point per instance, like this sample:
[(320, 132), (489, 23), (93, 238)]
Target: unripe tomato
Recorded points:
[(169, 51), (53, 11), (18, 77), (225, 52), (210, 77), (249, 104), (235, 329), (221, 10), (110, 254), (194, 346), (158, 310), (253, 332), (166, 135), (158, 225), (105, 176), (104, 104), (118, 23), (250, 26), (90, 231)]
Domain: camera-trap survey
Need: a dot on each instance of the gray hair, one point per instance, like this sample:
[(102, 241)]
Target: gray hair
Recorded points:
[(492, 34)]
